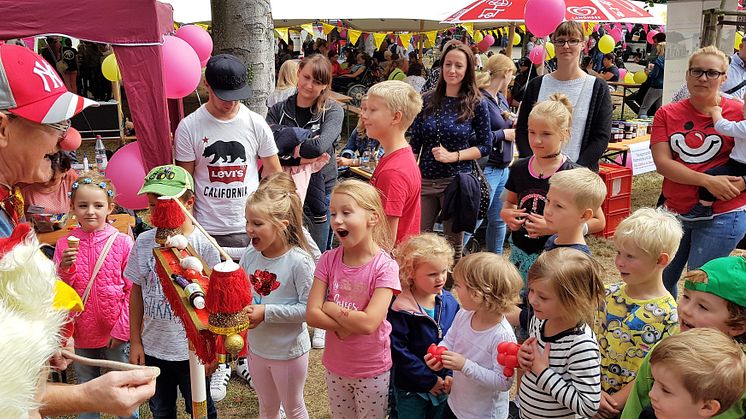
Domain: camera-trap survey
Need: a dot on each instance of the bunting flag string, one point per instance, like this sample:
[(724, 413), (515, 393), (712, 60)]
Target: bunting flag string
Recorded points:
[(353, 35), (283, 32)]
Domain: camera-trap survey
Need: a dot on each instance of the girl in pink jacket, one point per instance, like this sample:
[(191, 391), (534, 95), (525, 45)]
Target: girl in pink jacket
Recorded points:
[(102, 329)]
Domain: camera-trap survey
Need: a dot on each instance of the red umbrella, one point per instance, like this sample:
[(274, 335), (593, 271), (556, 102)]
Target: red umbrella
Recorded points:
[(584, 10)]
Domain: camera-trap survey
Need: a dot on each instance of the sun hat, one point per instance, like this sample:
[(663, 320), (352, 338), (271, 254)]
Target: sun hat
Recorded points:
[(227, 75), (31, 88), (726, 278), (169, 180)]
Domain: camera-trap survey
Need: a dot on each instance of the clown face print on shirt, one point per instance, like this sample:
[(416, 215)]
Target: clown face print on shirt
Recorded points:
[(696, 146)]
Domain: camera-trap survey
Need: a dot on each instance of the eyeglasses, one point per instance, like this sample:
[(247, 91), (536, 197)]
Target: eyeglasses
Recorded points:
[(62, 127), (566, 42), (709, 74)]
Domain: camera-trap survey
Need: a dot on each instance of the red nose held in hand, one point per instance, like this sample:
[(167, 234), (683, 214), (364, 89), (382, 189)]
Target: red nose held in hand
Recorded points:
[(507, 356), (436, 351)]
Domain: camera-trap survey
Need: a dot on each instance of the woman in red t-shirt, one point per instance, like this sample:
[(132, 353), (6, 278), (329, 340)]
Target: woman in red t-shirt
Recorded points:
[(685, 144)]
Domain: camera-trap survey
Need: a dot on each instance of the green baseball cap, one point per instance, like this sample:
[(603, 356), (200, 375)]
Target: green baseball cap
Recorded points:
[(169, 180), (726, 278)]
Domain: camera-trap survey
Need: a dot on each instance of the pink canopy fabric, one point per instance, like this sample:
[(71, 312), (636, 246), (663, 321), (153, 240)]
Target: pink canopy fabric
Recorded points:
[(585, 10), (136, 28)]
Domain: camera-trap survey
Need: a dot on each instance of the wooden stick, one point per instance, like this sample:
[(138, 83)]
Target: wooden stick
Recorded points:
[(202, 229), (105, 363)]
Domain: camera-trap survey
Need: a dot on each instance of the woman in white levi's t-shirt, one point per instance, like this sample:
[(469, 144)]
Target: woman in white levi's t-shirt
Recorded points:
[(591, 118)]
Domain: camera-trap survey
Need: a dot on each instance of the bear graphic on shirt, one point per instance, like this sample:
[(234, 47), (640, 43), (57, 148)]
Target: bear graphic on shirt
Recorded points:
[(694, 146), (222, 152)]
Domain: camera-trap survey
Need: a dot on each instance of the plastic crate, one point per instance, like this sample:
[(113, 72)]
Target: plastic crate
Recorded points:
[(617, 203), (612, 222), (618, 179)]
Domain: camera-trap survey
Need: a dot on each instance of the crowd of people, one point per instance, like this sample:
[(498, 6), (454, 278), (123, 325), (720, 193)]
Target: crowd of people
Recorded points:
[(364, 263)]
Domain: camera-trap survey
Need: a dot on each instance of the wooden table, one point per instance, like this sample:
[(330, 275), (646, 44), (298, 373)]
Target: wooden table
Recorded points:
[(363, 172), (625, 87), (122, 222), (339, 97), (621, 148)]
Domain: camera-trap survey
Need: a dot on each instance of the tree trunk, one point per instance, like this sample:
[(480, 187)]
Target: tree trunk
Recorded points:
[(245, 29)]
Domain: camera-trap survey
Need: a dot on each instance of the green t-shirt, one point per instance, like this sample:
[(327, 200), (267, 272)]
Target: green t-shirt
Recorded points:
[(397, 74), (639, 400)]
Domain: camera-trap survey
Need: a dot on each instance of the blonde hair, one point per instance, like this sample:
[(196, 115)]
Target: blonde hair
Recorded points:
[(577, 279), (287, 77), (557, 111), (708, 363), (652, 230), (586, 187), (660, 48), (368, 198), (276, 200), (94, 180), (426, 247), (710, 50), (492, 278), (399, 97), (496, 65)]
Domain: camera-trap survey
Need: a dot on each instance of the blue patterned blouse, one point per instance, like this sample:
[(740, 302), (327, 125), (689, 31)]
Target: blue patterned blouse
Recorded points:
[(441, 128)]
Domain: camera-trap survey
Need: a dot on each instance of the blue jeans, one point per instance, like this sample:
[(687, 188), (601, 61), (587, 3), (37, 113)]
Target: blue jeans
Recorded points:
[(174, 374), (704, 241), (87, 373), (495, 239), (320, 232)]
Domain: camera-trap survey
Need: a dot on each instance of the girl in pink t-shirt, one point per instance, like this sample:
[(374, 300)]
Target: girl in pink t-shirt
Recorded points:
[(351, 292)]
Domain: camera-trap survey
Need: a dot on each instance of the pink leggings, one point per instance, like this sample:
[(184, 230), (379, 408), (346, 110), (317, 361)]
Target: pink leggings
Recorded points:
[(278, 382), (358, 397)]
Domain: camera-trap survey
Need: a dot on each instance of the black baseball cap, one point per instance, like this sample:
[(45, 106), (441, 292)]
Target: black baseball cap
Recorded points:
[(226, 75)]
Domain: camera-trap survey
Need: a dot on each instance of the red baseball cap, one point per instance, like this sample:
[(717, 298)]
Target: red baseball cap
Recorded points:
[(31, 88)]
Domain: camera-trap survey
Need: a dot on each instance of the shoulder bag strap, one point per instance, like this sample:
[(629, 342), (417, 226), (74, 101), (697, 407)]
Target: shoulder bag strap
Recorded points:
[(736, 88), (99, 263)]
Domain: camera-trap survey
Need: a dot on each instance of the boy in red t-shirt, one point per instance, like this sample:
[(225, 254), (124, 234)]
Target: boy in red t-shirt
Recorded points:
[(391, 108)]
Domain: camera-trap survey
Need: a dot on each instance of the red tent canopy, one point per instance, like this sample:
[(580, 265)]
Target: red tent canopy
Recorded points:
[(136, 29), (585, 10)]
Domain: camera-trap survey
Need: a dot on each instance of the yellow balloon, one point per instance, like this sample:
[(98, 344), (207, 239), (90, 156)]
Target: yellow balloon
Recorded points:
[(629, 78), (110, 69), (739, 39), (606, 44), (549, 47), (640, 77), (516, 39)]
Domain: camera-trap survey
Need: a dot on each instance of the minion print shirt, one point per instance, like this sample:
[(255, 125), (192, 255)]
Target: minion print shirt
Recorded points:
[(627, 329)]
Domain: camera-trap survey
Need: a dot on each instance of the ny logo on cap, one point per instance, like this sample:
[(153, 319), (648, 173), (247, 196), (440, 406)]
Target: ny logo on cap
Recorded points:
[(44, 71)]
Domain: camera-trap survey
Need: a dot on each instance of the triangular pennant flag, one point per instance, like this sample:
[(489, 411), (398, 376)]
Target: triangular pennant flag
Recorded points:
[(469, 28), (629, 27), (327, 28), (353, 35), (523, 28), (378, 38), (478, 36), (283, 32), (405, 39), (646, 27), (431, 36), (308, 27)]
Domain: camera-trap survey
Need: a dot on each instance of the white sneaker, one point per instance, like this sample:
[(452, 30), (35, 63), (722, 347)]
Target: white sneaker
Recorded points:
[(242, 369), (319, 339), (219, 382)]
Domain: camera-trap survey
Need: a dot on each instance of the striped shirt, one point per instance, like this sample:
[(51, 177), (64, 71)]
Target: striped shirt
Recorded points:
[(571, 386)]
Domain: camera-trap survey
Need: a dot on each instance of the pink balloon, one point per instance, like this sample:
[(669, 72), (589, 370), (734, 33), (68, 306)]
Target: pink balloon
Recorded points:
[(616, 33), (629, 27), (127, 173), (181, 67), (489, 39), (536, 55), (543, 16), (622, 73), (651, 34), (203, 63), (198, 38), (596, 27), (483, 45)]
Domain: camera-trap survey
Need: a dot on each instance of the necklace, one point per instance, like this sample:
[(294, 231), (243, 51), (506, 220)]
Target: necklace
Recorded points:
[(540, 169)]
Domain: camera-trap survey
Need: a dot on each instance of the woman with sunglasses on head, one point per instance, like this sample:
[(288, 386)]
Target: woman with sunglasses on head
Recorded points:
[(589, 95), (685, 145), (51, 197), (452, 129)]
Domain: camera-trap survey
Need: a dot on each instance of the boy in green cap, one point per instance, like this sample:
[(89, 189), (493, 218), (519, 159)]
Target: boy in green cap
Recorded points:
[(157, 336), (714, 297)]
